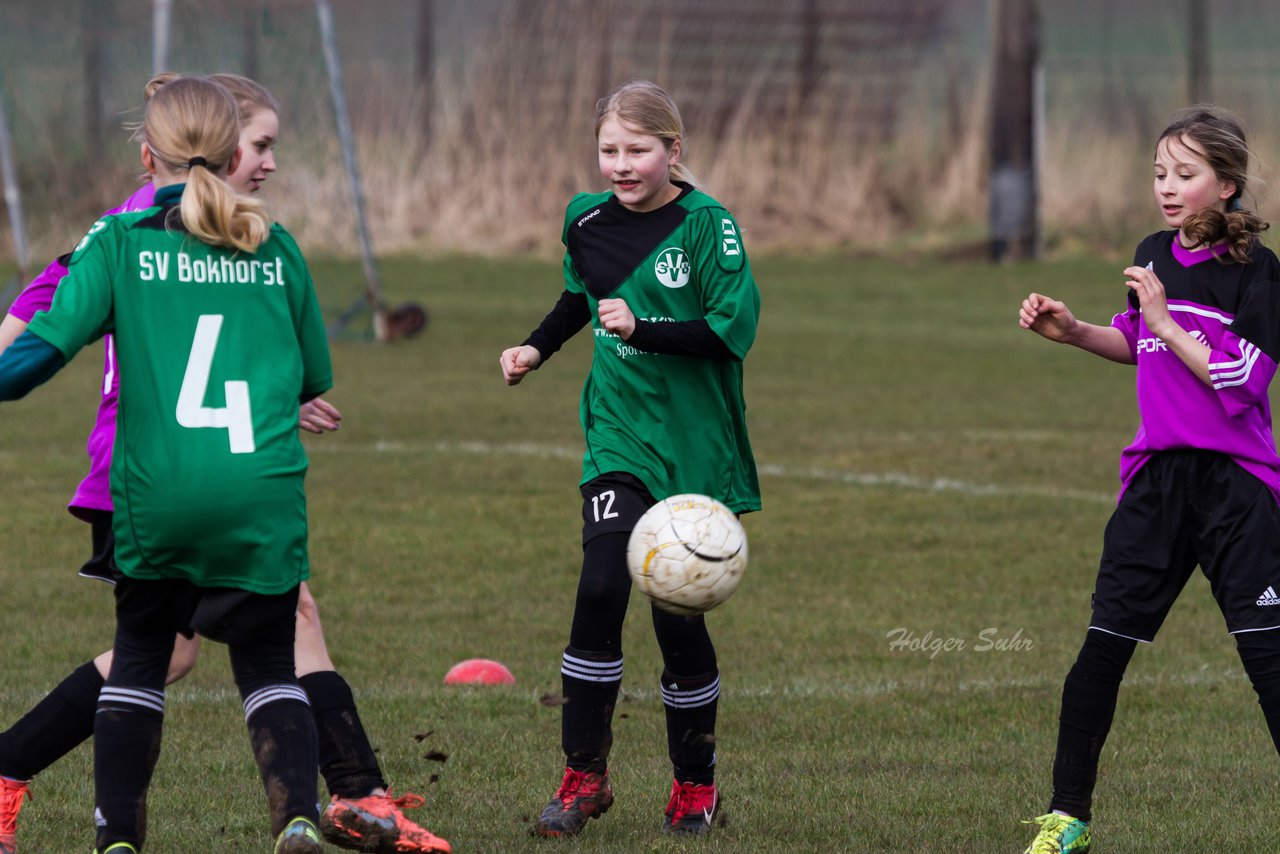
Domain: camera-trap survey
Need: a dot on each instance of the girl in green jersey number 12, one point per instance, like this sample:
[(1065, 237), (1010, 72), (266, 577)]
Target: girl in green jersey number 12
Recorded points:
[(658, 269), (207, 471)]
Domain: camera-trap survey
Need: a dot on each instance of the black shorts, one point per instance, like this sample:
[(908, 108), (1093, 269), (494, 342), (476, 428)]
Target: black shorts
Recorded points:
[(225, 614), (102, 566), (1183, 509), (613, 503)]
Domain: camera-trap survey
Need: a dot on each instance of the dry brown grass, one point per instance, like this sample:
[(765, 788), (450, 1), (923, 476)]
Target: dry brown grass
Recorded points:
[(511, 141)]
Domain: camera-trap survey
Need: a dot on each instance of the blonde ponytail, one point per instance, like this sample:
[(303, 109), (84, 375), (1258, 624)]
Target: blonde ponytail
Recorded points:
[(193, 123), (214, 214)]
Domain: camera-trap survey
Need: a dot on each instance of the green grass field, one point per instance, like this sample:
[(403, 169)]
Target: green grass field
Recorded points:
[(927, 468)]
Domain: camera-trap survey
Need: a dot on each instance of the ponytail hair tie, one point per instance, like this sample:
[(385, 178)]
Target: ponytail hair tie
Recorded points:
[(1234, 205), (197, 161)]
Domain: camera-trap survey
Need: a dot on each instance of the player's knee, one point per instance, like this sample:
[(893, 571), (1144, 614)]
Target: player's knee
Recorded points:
[(308, 612), (1104, 657), (1260, 654), (183, 659)]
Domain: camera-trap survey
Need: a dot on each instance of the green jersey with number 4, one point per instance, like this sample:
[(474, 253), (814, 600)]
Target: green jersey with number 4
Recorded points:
[(215, 348), (677, 422)]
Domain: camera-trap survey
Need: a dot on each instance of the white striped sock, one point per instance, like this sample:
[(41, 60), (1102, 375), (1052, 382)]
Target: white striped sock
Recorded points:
[(114, 696), (591, 671), (273, 694)]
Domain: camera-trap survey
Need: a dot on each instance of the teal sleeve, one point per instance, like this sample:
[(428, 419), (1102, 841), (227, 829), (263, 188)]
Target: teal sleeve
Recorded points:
[(82, 306), (25, 364), (730, 298)]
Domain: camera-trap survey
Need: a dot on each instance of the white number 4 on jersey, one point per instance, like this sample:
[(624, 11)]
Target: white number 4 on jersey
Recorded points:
[(235, 417)]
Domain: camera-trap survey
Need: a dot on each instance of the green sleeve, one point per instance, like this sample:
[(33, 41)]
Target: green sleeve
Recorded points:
[(317, 369), (313, 340), (730, 298), (83, 303)]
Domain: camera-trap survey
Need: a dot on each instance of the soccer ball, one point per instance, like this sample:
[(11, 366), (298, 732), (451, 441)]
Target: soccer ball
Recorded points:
[(687, 553)]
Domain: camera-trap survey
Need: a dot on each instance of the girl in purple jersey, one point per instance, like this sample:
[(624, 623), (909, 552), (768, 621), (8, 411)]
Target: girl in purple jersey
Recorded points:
[(362, 815), (1201, 479)]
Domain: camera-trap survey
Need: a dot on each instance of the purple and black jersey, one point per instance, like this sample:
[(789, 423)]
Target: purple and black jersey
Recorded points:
[(1232, 309), (94, 492)]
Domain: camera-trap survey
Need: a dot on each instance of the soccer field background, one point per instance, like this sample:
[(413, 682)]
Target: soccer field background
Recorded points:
[(935, 486)]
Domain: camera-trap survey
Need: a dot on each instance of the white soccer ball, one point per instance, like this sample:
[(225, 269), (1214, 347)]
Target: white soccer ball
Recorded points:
[(687, 553)]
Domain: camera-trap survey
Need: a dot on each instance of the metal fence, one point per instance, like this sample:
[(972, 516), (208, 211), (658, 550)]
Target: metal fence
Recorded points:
[(820, 122)]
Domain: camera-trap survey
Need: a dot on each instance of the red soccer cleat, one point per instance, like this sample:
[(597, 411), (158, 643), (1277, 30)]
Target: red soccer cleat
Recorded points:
[(692, 809), (582, 795), (11, 794), (376, 823)]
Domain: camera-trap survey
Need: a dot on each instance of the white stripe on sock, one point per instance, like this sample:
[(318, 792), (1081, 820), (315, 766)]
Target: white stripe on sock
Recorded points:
[(143, 697), (273, 694)]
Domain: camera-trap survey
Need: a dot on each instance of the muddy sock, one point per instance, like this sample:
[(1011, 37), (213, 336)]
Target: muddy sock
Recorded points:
[(690, 703), (126, 745), (347, 759), (282, 733), (590, 682)]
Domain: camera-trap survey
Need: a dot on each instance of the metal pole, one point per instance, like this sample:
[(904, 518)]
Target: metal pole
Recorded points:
[(12, 197), (373, 287), (161, 17)]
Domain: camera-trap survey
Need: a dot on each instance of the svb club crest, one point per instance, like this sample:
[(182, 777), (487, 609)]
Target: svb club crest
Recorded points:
[(672, 268)]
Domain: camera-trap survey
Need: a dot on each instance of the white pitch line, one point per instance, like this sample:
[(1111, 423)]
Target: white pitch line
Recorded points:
[(1205, 676), (869, 479)]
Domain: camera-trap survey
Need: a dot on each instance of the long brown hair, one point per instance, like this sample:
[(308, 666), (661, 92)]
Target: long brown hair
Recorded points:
[(1220, 136)]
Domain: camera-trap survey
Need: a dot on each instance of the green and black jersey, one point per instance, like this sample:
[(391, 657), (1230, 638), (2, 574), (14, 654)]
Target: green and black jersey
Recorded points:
[(215, 349), (667, 405)]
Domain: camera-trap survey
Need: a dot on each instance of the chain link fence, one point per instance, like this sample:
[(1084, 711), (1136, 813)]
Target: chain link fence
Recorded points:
[(821, 123)]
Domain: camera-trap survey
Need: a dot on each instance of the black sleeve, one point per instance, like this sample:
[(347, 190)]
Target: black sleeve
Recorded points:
[(570, 314), (1257, 319), (680, 338)]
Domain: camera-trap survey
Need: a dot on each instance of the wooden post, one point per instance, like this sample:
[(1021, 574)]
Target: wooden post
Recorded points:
[(1198, 52), (95, 22), (424, 64), (1013, 190), (250, 30), (807, 70)]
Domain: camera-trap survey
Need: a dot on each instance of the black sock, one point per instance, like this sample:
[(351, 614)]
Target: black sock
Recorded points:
[(590, 681), (691, 702), (1260, 653), (1088, 707), (126, 744), (282, 734), (53, 727), (347, 760)]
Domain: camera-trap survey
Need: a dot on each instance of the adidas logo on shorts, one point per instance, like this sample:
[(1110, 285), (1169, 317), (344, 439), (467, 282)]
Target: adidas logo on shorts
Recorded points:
[(1269, 597)]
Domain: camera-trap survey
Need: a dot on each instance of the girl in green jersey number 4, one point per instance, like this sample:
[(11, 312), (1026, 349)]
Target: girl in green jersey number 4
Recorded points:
[(362, 814), (210, 515), (658, 269)]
